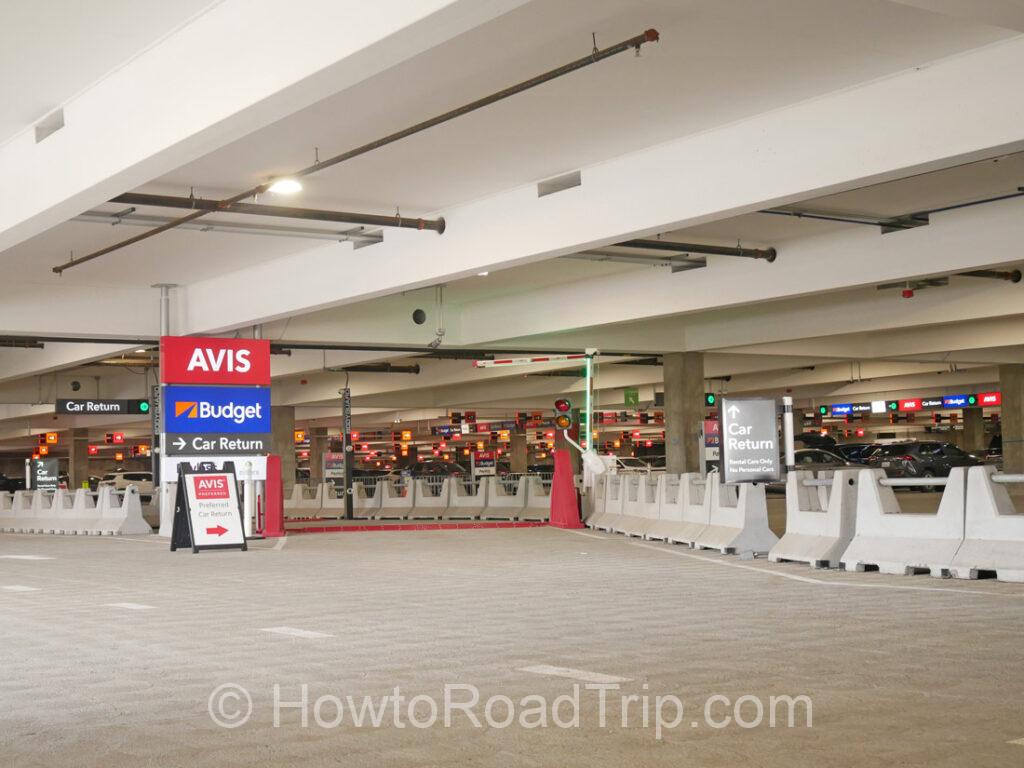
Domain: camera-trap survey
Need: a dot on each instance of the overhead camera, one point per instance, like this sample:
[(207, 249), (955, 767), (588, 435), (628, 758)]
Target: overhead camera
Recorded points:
[(76, 385), (419, 316)]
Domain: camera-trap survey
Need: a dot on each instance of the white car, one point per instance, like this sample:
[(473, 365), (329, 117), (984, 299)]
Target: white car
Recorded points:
[(119, 481)]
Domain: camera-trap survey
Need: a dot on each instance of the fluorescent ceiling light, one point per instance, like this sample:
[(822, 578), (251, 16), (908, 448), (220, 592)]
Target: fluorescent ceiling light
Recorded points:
[(285, 187), (140, 351), (482, 274)]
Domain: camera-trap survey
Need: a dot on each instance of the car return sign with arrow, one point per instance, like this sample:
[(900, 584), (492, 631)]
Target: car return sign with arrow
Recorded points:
[(749, 440)]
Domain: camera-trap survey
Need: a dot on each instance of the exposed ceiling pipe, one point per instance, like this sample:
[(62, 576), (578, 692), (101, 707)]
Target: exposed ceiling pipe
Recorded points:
[(1012, 275), (633, 43), (768, 254), (377, 368), (281, 211)]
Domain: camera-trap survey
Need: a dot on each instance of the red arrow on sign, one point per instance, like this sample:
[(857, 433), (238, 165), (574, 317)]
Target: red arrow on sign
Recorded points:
[(220, 530)]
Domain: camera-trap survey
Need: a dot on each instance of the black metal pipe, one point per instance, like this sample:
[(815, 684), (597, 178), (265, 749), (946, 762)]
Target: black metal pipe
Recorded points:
[(768, 254), (378, 368), (1012, 276), (633, 43), (280, 211), (923, 215), (839, 219)]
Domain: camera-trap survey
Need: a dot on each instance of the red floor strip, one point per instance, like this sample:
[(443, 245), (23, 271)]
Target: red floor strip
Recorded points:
[(410, 527)]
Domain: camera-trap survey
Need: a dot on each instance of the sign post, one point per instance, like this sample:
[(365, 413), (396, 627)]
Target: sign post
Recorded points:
[(347, 448), (749, 440)]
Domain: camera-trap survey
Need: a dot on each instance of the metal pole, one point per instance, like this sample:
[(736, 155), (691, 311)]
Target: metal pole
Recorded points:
[(160, 437), (260, 485), (787, 432), (588, 438), (346, 437), (248, 500)]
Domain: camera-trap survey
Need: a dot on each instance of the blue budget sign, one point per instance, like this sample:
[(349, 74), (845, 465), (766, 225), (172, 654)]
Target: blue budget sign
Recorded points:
[(216, 409)]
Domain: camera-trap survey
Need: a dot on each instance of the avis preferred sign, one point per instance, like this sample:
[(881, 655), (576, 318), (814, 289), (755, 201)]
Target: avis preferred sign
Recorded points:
[(201, 360)]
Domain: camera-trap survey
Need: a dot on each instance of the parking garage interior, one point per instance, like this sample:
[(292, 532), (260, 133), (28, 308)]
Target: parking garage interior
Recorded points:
[(497, 270)]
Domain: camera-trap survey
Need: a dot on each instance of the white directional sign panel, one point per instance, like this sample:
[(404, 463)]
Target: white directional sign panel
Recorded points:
[(213, 509), (749, 440)]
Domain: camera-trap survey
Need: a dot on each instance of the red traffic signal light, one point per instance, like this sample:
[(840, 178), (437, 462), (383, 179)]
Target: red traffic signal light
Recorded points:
[(562, 405)]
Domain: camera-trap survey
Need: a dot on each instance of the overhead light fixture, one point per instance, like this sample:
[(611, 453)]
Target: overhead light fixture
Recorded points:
[(285, 187), (140, 351), (482, 274)]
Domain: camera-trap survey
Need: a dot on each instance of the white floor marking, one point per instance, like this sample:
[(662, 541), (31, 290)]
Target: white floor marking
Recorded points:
[(151, 540), (130, 606), (24, 557), (573, 674), (279, 544), (823, 582), (20, 588), (1019, 742), (293, 632), (592, 535)]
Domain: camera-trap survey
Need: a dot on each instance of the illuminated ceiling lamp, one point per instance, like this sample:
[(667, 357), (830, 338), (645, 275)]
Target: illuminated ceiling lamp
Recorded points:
[(285, 186)]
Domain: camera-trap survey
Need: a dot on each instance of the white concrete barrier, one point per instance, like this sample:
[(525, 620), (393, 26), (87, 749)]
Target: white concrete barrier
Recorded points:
[(899, 542), (689, 512), (364, 506), (640, 493), (330, 498), (120, 516), (738, 522), (466, 505), (6, 513), (428, 506), (538, 500), (593, 500), (394, 504), (39, 512), (614, 497), (820, 519), (502, 505), (82, 517), (21, 511), (993, 530), (60, 511)]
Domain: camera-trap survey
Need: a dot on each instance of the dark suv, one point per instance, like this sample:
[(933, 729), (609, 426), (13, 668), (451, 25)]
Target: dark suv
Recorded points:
[(924, 459)]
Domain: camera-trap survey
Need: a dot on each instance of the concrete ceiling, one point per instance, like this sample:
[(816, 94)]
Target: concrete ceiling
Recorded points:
[(51, 51)]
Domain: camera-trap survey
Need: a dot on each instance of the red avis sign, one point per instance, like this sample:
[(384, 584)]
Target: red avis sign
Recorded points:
[(211, 486), (200, 360)]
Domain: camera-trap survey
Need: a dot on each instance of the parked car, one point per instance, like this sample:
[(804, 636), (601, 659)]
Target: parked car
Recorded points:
[(436, 467), (855, 452), (920, 459), (11, 484), (809, 459), (120, 480)]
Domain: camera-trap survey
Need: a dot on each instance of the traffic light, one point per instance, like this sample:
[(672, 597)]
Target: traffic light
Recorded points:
[(563, 413), (138, 406), (710, 399), (823, 410)]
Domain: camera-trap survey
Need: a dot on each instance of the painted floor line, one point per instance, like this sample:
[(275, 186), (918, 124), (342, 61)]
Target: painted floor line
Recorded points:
[(130, 606), (279, 544), (822, 582), (574, 674), (293, 632), (591, 535), (1018, 742), (24, 557), (19, 588)]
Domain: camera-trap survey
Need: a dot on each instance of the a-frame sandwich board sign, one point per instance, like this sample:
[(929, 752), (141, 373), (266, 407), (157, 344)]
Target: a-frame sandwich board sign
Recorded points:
[(207, 509)]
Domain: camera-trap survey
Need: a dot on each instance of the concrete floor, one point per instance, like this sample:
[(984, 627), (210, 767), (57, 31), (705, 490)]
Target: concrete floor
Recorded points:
[(907, 671)]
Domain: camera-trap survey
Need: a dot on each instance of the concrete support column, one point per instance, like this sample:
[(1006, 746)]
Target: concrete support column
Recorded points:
[(684, 410), (1011, 384), (974, 430), (318, 446), (78, 458), (625, 447), (518, 453), (282, 418)]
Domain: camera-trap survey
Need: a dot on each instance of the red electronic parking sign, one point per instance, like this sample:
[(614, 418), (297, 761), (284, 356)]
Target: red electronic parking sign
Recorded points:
[(202, 360)]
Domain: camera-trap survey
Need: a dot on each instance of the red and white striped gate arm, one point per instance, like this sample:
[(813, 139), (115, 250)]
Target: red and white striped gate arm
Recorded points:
[(525, 360)]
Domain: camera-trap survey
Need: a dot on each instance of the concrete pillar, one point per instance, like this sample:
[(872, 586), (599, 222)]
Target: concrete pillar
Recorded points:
[(974, 430), (625, 447), (518, 453), (78, 457), (1011, 384), (318, 446), (282, 418), (684, 410)]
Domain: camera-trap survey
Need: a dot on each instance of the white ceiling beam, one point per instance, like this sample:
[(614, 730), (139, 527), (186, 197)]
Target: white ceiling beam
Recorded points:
[(971, 238), (207, 85), (817, 147), (1008, 14)]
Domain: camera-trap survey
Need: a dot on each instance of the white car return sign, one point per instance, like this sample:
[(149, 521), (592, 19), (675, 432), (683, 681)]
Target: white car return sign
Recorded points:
[(749, 440)]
